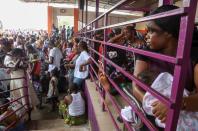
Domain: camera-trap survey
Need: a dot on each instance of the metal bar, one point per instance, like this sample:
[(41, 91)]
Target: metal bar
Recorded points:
[(92, 114), (109, 11), (11, 101), (142, 52), (128, 101), (97, 13), (104, 53), (108, 110), (137, 111), (82, 18), (10, 114), (180, 72), (86, 15), (179, 11), (13, 123), (26, 83), (118, 109), (113, 102), (94, 71), (12, 79), (162, 98), (11, 90)]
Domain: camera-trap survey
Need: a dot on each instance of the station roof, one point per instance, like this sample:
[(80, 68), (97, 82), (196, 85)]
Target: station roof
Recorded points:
[(141, 5)]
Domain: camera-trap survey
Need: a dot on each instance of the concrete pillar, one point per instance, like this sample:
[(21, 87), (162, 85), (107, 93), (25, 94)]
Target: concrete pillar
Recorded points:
[(76, 17), (49, 18)]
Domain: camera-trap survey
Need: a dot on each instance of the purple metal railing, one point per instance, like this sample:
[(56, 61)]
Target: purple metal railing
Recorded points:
[(25, 96), (182, 58), (127, 99), (107, 107)]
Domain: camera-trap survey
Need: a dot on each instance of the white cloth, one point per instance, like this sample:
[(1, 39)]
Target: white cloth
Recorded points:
[(53, 90), (15, 44), (126, 113), (15, 106), (68, 51), (188, 121), (8, 61), (18, 83), (57, 56), (83, 57), (77, 107), (19, 46)]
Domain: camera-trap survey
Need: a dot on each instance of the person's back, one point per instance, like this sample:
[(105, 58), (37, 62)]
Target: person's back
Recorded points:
[(77, 106), (57, 55)]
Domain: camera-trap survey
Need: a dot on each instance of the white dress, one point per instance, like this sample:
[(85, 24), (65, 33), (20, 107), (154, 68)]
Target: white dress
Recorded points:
[(188, 121), (18, 83)]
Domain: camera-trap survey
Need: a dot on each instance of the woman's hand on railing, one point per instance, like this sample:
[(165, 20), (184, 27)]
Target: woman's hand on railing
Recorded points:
[(104, 81), (160, 110)]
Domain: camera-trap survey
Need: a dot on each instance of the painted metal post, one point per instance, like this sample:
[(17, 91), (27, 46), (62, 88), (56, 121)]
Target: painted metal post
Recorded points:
[(104, 54), (180, 72), (92, 54), (165, 2), (82, 18), (97, 13), (26, 83), (86, 15)]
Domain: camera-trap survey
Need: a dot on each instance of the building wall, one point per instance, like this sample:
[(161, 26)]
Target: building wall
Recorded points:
[(61, 12)]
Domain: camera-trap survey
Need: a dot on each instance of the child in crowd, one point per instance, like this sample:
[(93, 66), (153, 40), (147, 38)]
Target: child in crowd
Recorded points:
[(72, 108), (52, 95), (163, 84)]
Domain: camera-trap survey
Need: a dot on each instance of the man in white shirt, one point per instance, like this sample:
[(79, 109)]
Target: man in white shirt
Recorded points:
[(55, 56)]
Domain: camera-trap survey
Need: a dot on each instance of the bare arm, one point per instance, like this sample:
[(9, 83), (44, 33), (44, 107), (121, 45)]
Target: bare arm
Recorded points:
[(139, 67), (190, 102), (117, 38), (68, 99), (50, 61)]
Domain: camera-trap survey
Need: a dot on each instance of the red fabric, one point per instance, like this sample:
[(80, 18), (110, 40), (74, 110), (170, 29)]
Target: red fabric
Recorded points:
[(100, 51), (37, 68), (71, 56)]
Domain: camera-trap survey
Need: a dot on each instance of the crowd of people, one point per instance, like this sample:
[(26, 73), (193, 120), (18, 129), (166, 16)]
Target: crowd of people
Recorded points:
[(60, 62), (47, 65)]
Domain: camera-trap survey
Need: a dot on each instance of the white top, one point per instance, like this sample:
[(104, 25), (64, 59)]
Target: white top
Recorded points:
[(15, 44), (57, 55), (8, 62), (163, 84), (77, 107), (83, 57), (53, 91)]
